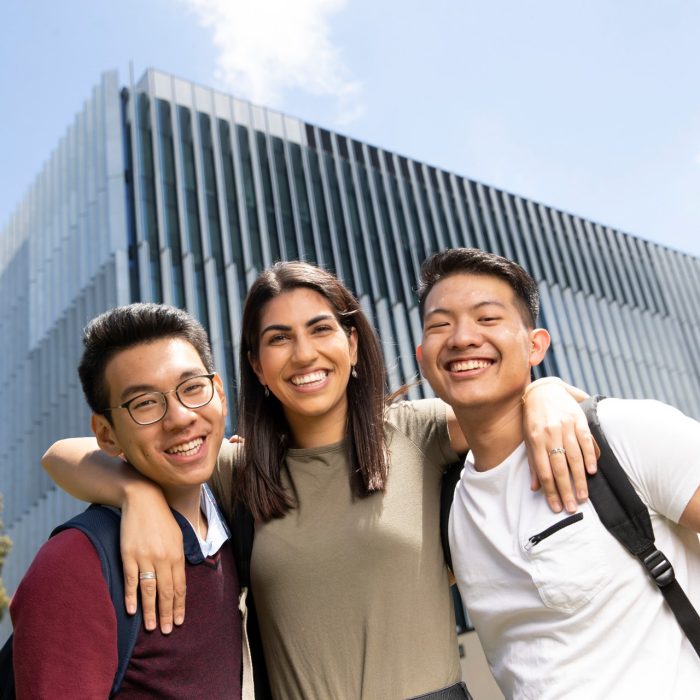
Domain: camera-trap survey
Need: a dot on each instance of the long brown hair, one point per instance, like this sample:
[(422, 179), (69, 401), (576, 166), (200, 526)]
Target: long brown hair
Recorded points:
[(261, 418)]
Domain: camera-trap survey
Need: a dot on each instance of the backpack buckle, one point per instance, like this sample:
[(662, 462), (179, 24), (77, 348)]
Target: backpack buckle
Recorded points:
[(659, 568)]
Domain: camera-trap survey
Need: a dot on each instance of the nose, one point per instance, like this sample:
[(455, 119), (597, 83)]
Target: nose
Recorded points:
[(466, 334), (177, 416), (304, 350)]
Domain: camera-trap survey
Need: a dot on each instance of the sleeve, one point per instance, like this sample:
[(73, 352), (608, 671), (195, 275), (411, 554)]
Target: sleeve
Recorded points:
[(424, 423), (659, 448), (65, 630), (221, 481)]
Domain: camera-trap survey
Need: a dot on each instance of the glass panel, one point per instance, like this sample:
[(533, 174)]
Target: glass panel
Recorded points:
[(234, 223), (360, 253), (302, 197), (268, 197), (285, 198), (192, 214), (341, 232), (149, 216), (324, 230), (217, 246), (132, 251), (250, 201), (388, 235), (169, 186)]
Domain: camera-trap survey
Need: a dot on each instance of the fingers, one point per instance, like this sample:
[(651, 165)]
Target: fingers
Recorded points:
[(149, 588), (158, 583), (236, 439), (543, 473), (179, 590), (162, 589), (573, 456), (131, 583), (560, 467)]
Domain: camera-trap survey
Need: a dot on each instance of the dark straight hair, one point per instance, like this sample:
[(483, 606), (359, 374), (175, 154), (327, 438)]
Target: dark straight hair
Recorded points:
[(261, 418), (474, 261), (122, 328)]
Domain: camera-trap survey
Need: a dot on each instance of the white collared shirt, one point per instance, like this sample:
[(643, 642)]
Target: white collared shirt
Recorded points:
[(217, 530)]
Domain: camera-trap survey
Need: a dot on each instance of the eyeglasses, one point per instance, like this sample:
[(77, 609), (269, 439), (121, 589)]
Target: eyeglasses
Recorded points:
[(151, 407)]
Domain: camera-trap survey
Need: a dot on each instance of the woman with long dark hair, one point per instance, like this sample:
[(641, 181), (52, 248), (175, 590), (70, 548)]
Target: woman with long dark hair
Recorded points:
[(347, 570)]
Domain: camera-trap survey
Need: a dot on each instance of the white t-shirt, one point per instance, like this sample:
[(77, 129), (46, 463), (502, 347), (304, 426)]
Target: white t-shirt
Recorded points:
[(575, 615)]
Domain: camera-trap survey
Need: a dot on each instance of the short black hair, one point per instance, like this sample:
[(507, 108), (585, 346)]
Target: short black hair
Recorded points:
[(474, 261), (126, 326)]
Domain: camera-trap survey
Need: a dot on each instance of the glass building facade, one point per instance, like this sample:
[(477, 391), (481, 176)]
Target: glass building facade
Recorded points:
[(170, 191)]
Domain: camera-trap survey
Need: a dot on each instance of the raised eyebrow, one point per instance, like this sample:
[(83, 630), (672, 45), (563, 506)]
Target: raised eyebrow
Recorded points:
[(489, 302), (320, 317), (275, 327), (438, 310), (287, 329), (136, 389), (478, 305)]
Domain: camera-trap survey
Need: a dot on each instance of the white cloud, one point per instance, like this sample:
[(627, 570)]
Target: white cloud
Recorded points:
[(269, 47)]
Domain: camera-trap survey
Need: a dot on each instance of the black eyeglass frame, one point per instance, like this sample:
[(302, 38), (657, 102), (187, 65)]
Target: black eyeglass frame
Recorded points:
[(127, 404)]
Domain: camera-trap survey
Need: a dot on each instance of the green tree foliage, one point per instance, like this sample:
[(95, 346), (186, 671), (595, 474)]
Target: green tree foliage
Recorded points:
[(5, 546)]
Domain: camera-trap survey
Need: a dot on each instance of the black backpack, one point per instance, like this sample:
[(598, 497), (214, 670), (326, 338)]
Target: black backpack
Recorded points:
[(623, 514), (101, 524)]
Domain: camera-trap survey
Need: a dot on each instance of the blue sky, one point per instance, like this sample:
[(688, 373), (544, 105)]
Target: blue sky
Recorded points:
[(590, 107)]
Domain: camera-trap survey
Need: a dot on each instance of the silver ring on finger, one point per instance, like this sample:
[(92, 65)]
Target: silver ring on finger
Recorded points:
[(557, 451), (147, 576)]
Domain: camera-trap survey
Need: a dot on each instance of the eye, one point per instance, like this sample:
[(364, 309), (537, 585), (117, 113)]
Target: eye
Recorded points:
[(437, 325), (142, 403), (276, 339), (489, 319), (323, 328), (194, 387)]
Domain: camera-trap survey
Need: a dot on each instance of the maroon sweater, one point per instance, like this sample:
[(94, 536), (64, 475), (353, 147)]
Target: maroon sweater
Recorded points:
[(65, 634)]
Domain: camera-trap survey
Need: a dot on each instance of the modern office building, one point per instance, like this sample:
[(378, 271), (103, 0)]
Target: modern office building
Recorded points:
[(170, 191)]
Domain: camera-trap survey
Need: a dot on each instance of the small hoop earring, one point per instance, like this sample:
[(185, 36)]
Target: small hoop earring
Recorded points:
[(267, 391), (354, 372)]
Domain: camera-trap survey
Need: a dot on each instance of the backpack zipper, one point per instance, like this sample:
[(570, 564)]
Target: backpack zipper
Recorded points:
[(536, 539)]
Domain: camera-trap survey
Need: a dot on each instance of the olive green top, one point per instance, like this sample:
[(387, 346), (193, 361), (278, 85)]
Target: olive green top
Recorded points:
[(352, 594)]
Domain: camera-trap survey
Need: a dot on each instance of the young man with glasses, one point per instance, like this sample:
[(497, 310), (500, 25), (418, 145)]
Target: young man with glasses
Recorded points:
[(147, 374)]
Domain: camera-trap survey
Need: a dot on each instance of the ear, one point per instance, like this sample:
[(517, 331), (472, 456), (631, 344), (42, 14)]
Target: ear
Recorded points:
[(106, 438), (352, 343), (419, 357), (257, 368), (539, 344), (219, 389)]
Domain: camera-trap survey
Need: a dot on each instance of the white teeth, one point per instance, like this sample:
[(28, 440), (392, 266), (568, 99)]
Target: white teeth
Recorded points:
[(465, 365), (185, 447), (299, 380)]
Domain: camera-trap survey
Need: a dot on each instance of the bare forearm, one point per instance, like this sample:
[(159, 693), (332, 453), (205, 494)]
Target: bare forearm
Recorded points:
[(78, 466)]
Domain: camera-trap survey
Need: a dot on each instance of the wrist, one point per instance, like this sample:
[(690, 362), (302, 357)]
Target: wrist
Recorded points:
[(136, 488), (541, 382)]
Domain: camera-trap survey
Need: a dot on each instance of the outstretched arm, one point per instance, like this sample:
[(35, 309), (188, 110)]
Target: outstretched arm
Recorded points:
[(151, 539), (552, 419)]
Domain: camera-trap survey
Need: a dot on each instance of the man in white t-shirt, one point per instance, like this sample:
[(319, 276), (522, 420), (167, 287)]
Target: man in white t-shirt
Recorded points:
[(561, 609)]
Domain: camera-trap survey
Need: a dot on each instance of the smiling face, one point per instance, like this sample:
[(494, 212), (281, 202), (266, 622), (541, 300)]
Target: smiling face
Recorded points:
[(477, 348), (305, 357), (179, 452)]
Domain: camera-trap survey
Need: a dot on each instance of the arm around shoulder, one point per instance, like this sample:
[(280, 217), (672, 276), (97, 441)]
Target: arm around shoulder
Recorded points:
[(83, 470)]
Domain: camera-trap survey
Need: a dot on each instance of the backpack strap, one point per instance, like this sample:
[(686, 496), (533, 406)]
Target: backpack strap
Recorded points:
[(7, 674), (243, 533), (447, 493), (101, 525), (627, 518)]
